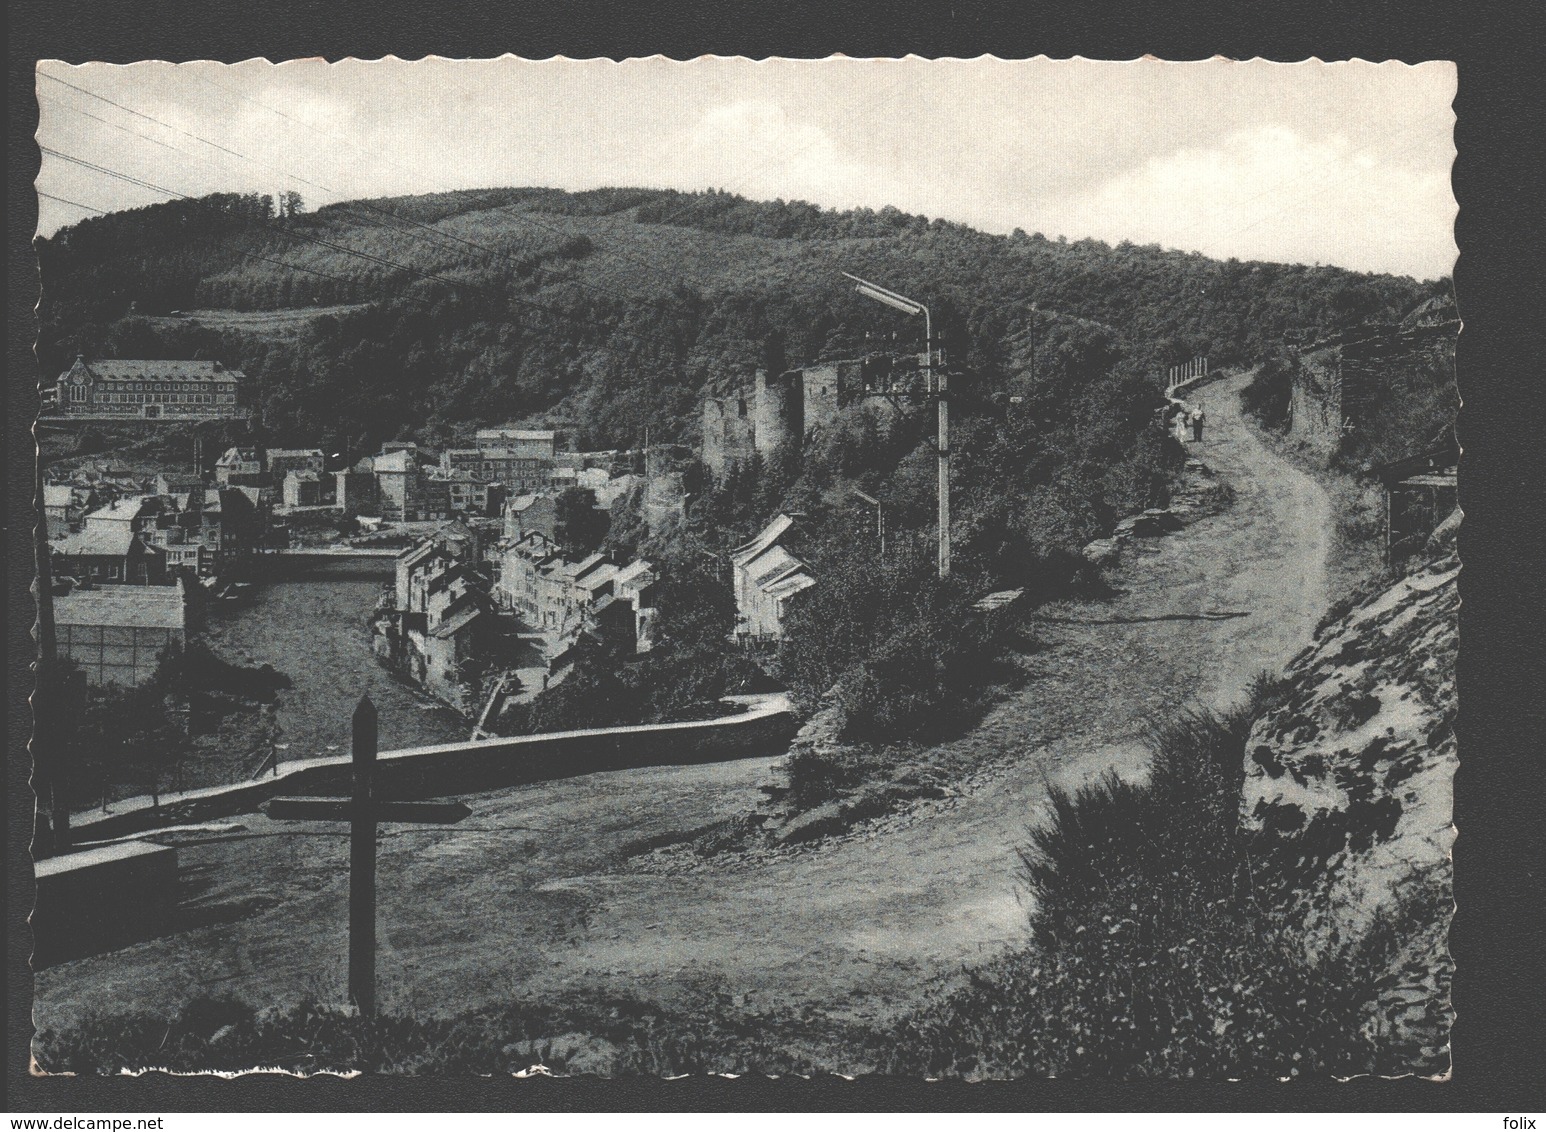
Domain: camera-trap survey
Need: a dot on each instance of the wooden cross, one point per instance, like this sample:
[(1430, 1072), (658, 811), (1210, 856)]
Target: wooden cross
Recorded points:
[(362, 811)]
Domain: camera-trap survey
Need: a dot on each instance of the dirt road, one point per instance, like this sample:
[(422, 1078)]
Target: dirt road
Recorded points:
[(541, 893)]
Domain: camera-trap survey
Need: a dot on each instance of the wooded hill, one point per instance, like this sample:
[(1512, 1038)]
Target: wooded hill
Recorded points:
[(609, 310)]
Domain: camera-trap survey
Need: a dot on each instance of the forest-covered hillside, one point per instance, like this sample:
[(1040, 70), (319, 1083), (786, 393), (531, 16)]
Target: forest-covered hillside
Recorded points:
[(609, 310)]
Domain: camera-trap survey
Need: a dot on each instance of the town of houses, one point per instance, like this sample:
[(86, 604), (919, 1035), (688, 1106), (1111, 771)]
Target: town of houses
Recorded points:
[(486, 603)]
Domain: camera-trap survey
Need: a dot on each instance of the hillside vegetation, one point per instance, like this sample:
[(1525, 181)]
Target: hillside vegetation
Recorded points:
[(608, 313), (611, 309), (1273, 901)]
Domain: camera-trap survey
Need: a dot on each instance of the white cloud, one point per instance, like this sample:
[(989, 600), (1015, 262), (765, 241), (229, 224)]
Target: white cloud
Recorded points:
[(755, 148), (1344, 163), (1271, 193)]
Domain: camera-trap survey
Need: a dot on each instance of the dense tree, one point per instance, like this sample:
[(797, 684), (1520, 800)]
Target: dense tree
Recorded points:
[(611, 326), (579, 525)]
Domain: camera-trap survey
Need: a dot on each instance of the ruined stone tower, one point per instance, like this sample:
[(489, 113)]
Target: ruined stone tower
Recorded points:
[(773, 418)]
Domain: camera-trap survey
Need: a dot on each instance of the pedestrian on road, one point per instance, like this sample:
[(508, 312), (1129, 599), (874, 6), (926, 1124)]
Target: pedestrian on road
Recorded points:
[(1198, 416)]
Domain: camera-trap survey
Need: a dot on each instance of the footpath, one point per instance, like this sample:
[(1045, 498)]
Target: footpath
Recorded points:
[(543, 893)]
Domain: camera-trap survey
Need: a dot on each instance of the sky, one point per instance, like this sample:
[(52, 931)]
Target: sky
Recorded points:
[(1332, 163)]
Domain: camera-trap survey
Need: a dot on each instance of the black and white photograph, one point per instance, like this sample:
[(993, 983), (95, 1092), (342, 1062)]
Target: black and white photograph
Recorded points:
[(939, 568)]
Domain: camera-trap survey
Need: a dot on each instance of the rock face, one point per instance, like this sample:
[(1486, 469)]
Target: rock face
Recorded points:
[(1355, 770), (1364, 749), (1103, 552)]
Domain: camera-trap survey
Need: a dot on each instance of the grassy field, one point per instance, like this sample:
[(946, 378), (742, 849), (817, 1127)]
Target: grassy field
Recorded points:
[(261, 324)]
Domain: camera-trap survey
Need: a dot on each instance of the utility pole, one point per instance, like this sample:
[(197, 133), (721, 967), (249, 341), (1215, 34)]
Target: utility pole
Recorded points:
[(48, 717), (935, 386), (1033, 344), (936, 374)]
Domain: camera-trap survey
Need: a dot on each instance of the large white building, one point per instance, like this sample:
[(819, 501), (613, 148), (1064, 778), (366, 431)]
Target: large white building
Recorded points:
[(145, 390)]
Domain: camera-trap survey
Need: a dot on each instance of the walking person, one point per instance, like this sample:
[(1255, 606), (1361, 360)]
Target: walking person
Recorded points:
[(1198, 416)]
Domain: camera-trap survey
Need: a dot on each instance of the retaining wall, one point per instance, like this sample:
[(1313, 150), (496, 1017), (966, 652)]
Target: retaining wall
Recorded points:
[(464, 768)]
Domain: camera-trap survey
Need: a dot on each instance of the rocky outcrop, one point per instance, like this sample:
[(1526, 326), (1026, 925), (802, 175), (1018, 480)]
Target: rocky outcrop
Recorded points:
[(1359, 761), (1352, 776)]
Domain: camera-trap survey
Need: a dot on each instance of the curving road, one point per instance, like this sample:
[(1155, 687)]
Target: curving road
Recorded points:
[(541, 893)]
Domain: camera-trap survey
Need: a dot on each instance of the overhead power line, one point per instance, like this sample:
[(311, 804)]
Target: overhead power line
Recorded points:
[(398, 220), (384, 261)]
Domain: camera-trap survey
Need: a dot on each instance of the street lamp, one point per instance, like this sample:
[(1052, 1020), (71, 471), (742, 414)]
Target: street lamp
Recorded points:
[(935, 376)]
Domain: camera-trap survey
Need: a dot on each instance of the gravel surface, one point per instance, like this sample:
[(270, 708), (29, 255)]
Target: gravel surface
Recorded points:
[(544, 890)]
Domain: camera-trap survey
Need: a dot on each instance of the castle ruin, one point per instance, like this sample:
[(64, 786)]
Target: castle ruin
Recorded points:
[(772, 419)]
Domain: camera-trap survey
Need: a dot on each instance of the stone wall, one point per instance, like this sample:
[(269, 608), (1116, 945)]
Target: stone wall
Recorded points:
[(1336, 381), (763, 728), (779, 415), (729, 432), (829, 388), (1315, 402)]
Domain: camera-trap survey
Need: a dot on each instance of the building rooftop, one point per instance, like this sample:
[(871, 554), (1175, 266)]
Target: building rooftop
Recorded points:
[(458, 621), (528, 434), (400, 460), (773, 564), (600, 576), (127, 607), (58, 495), (790, 585), (770, 534), (124, 510), (639, 572), (118, 369), (115, 540)]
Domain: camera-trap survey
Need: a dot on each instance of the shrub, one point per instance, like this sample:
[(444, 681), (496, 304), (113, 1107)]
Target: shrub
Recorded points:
[(1166, 942), (817, 776), (1266, 396)]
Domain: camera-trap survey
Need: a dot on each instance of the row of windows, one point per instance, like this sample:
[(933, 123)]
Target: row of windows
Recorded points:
[(113, 636), (106, 572), (158, 386), (163, 399)]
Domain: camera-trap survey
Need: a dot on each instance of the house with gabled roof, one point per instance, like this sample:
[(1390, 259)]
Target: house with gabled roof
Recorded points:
[(767, 575), (436, 619), (240, 466)]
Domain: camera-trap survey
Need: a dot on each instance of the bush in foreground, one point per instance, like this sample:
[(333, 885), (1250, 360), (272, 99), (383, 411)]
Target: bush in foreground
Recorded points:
[(607, 1037), (1165, 942)]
